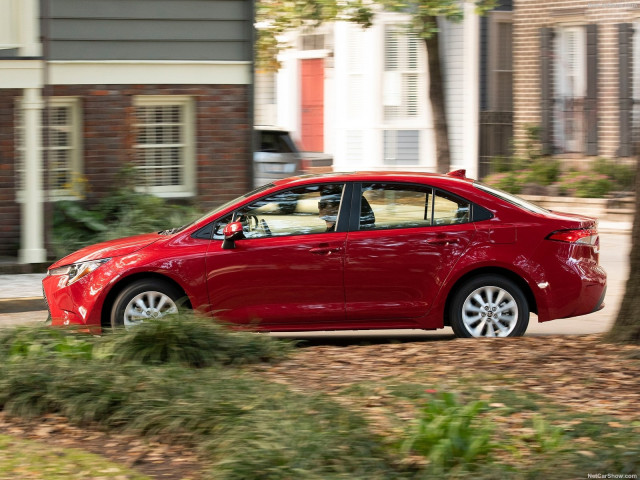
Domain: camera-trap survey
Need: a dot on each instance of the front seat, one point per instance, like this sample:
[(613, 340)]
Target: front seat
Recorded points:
[(367, 217)]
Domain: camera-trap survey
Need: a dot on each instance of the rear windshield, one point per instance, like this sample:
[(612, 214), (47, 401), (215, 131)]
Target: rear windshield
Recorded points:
[(512, 199), (275, 142)]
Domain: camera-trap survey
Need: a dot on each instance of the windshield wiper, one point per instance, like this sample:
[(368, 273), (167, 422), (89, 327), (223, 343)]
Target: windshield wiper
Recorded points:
[(171, 231)]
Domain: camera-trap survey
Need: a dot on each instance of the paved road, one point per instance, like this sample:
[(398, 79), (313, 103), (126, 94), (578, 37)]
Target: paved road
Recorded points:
[(614, 258)]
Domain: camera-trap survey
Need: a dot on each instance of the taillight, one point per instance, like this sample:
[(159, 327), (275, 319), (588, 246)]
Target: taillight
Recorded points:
[(582, 236)]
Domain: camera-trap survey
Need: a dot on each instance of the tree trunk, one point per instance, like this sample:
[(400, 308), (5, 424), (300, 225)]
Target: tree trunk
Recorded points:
[(626, 328), (437, 100)]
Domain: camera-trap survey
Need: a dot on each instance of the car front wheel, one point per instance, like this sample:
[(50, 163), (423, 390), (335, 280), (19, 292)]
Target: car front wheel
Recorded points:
[(489, 306), (142, 300)]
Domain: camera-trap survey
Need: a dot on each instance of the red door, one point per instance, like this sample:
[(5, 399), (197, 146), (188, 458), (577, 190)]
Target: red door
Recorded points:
[(289, 283), (313, 104), (397, 274)]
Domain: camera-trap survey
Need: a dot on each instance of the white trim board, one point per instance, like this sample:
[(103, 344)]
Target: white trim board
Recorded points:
[(149, 72), (28, 73)]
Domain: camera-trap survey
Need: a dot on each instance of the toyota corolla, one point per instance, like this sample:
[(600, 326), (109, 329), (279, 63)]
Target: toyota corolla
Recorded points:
[(375, 250)]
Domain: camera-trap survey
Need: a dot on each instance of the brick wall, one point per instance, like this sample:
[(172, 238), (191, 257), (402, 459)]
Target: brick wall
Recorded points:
[(529, 16), (9, 210), (222, 143)]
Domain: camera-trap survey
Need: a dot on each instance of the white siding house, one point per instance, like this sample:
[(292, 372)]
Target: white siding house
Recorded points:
[(376, 112)]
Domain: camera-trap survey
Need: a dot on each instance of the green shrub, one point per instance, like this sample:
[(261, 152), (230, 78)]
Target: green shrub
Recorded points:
[(511, 182), (543, 171), (124, 212), (623, 175), (190, 340), (585, 185), (451, 435), (40, 341)]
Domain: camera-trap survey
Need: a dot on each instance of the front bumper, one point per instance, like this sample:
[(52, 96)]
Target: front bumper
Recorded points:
[(78, 304)]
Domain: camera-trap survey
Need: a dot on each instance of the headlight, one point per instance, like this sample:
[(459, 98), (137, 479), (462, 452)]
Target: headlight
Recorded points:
[(76, 271)]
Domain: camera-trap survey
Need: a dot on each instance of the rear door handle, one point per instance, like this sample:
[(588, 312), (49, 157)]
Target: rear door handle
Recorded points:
[(443, 240)]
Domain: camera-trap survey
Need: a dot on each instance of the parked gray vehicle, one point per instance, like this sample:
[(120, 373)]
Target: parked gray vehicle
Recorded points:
[(276, 155)]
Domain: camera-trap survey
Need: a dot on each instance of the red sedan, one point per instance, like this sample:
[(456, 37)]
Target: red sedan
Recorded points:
[(372, 250)]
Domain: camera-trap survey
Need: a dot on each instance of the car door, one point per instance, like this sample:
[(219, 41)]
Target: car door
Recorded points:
[(402, 246), (288, 271)]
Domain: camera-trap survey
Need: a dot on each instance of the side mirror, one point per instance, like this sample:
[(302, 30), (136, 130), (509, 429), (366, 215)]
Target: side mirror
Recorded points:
[(232, 232)]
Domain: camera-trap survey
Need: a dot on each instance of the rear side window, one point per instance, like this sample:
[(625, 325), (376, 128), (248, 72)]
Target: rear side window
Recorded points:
[(385, 206), (509, 198)]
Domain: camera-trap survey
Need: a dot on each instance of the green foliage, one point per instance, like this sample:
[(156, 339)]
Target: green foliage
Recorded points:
[(623, 175), (247, 427), (451, 435), (546, 437), (124, 212), (585, 185), (544, 171), (273, 18), (190, 340), (511, 182), (34, 342)]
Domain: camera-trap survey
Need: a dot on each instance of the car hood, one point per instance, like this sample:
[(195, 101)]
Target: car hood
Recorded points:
[(112, 248)]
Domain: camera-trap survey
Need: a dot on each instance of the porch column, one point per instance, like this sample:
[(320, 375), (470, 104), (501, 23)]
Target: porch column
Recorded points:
[(32, 233), (471, 90)]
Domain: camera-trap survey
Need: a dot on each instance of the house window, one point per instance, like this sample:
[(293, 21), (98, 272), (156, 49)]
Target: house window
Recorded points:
[(401, 147), (313, 42), (402, 74), (570, 90), (500, 62), (62, 151), (165, 145)]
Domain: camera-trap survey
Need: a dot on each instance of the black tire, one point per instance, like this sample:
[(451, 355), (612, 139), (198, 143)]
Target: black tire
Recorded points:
[(489, 306), (159, 297)]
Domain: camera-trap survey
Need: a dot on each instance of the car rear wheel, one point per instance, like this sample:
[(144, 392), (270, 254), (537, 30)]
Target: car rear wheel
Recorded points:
[(142, 300), (489, 306)]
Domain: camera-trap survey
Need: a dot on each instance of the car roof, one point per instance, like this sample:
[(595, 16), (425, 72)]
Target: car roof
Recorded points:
[(375, 176)]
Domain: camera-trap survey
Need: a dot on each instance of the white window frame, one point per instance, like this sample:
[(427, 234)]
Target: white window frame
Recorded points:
[(570, 82), (394, 80), (8, 23), (187, 144), (563, 70), (75, 189)]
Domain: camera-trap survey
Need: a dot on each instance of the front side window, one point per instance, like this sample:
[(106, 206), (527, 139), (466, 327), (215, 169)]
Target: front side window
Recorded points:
[(164, 157), (300, 211), (385, 206)]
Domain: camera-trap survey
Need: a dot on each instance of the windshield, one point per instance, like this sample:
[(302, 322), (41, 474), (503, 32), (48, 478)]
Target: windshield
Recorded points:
[(235, 200), (508, 197)]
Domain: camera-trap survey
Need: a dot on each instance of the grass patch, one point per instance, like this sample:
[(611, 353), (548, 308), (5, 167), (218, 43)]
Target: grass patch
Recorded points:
[(30, 459)]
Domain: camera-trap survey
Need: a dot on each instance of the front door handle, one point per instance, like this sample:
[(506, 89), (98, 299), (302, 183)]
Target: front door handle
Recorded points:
[(325, 250)]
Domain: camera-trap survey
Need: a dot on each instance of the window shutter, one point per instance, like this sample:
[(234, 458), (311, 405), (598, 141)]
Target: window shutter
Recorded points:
[(591, 101), (625, 95), (546, 88)]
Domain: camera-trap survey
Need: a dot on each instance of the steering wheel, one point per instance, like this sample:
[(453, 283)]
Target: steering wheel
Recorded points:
[(265, 228), (251, 221)]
